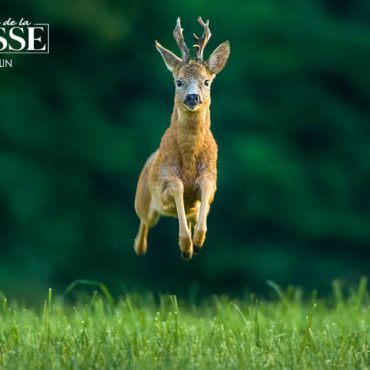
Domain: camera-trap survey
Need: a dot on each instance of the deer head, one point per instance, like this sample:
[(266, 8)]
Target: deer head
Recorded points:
[(193, 77)]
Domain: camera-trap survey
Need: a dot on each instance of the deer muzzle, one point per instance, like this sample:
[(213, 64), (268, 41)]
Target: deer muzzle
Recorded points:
[(192, 101)]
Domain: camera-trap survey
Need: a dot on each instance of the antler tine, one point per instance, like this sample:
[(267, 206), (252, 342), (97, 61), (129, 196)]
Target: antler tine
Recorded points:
[(179, 38), (202, 41)]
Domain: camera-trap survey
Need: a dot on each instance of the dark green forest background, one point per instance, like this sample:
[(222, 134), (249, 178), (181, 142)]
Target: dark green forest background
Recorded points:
[(290, 113)]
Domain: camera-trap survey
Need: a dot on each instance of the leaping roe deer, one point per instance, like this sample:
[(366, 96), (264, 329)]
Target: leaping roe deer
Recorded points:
[(179, 178)]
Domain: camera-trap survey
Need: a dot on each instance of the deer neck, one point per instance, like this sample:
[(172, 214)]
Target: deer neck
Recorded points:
[(190, 129)]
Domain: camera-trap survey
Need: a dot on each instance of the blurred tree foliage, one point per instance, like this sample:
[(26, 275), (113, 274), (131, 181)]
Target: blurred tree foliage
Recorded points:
[(290, 113)]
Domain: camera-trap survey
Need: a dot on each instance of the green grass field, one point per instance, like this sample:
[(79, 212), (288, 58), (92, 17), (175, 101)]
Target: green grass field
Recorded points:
[(135, 332)]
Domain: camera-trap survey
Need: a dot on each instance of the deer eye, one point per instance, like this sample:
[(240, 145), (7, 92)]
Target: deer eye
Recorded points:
[(178, 83), (206, 82)]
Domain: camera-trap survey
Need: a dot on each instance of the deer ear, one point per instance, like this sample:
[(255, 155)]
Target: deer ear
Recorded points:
[(170, 59), (216, 62)]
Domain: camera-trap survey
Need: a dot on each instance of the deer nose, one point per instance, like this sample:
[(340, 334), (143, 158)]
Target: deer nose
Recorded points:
[(192, 99)]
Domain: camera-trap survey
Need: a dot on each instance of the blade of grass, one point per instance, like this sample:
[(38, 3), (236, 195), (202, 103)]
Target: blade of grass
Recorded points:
[(98, 284)]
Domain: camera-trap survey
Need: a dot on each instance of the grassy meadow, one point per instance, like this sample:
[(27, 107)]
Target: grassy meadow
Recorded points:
[(290, 331)]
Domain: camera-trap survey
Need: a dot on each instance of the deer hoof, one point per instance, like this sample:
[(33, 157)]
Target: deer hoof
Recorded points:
[(186, 247), (140, 248), (196, 249), (186, 255), (199, 238)]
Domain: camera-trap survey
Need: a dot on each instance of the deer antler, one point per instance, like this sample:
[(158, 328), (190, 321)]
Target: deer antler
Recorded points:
[(179, 38), (201, 42)]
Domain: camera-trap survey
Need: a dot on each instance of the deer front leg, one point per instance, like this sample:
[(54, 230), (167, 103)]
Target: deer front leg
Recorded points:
[(207, 189), (176, 190)]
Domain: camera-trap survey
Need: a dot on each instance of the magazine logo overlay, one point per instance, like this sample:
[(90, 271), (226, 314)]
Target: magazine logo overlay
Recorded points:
[(22, 37)]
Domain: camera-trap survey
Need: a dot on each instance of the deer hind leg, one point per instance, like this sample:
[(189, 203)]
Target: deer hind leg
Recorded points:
[(207, 188), (143, 206), (186, 245), (140, 245), (192, 220), (190, 224)]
